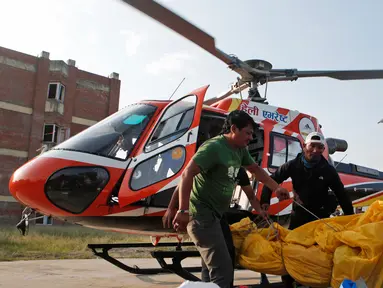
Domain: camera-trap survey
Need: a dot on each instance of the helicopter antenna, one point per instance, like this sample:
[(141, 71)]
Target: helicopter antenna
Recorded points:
[(240, 91), (341, 160), (267, 82), (177, 88)]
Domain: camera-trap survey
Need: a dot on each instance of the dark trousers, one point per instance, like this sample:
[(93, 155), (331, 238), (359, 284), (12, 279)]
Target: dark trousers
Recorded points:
[(208, 236), (205, 277)]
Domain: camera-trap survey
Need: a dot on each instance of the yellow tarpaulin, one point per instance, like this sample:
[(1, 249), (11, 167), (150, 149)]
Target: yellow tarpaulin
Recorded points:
[(314, 254)]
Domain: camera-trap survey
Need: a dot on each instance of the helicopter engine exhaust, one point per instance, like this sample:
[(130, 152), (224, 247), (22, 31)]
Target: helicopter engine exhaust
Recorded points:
[(336, 145)]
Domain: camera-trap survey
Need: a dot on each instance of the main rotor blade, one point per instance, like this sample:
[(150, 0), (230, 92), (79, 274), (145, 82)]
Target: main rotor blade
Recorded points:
[(335, 74), (178, 24), (189, 31), (344, 75)]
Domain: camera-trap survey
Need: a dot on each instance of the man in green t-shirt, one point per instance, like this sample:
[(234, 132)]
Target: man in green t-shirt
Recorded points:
[(244, 182), (206, 187)]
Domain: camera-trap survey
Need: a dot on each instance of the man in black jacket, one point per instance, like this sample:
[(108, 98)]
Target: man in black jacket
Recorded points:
[(312, 176)]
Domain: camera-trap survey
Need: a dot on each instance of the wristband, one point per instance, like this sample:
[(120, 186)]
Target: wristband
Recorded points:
[(183, 211)]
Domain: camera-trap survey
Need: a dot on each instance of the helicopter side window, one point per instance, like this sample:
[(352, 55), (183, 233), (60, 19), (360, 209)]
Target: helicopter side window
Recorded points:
[(157, 168), (173, 124), (293, 149), (256, 146), (209, 127), (283, 148)]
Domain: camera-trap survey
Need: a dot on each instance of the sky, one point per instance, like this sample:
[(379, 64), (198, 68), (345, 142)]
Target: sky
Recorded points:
[(106, 36)]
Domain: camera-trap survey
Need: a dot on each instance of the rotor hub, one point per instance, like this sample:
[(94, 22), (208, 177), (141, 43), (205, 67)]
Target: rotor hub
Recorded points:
[(259, 64)]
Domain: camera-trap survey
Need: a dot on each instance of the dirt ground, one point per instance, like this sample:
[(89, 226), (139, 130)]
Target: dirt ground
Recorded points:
[(97, 273)]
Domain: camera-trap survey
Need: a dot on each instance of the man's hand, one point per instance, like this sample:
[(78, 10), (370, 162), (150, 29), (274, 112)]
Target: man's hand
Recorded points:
[(264, 213), (296, 198), (168, 217), (265, 207), (264, 210), (282, 193), (180, 221)]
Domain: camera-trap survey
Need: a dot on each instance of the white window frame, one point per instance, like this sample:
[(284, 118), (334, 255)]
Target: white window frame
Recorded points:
[(56, 130), (57, 94), (151, 144), (65, 135)]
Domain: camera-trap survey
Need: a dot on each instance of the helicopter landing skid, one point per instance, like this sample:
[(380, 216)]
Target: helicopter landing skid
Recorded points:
[(176, 267)]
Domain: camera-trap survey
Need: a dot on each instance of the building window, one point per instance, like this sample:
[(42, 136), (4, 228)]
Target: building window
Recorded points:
[(50, 133), (56, 91), (43, 219), (55, 134)]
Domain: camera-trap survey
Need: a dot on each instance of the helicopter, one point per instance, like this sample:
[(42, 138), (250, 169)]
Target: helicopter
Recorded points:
[(128, 165), (119, 174)]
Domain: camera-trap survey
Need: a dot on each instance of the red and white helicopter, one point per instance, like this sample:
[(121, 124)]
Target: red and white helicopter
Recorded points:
[(119, 174)]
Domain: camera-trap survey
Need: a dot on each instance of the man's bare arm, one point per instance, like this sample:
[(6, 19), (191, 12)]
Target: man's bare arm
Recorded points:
[(251, 196), (168, 217), (181, 220), (186, 184), (175, 199), (262, 176)]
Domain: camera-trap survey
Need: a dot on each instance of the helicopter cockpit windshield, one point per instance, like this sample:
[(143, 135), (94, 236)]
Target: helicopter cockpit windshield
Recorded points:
[(114, 136)]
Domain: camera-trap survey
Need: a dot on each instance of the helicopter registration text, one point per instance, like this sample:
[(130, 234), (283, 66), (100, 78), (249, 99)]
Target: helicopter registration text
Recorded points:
[(251, 110), (275, 116)]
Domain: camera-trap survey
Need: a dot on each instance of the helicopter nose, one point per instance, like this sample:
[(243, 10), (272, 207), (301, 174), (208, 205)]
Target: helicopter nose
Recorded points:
[(59, 186), (27, 183)]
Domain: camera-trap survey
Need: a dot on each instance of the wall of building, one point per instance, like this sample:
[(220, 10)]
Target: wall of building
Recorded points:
[(25, 108)]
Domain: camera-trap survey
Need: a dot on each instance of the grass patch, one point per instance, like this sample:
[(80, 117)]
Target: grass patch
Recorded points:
[(63, 242)]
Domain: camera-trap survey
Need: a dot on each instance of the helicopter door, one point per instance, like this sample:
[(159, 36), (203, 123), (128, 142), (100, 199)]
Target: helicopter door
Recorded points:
[(167, 150)]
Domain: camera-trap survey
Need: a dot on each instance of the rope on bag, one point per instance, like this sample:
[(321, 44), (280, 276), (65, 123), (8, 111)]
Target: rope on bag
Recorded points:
[(274, 229), (307, 210)]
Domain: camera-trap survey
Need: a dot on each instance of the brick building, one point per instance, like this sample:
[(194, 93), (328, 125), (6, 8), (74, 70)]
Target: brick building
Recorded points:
[(44, 101)]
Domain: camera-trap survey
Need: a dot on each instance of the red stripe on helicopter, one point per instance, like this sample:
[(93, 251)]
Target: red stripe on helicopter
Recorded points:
[(373, 196), (288, 133), (283, 111), (268, 122)]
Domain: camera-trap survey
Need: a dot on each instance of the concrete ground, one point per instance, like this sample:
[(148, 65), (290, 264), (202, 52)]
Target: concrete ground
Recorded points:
[(97, 273)]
